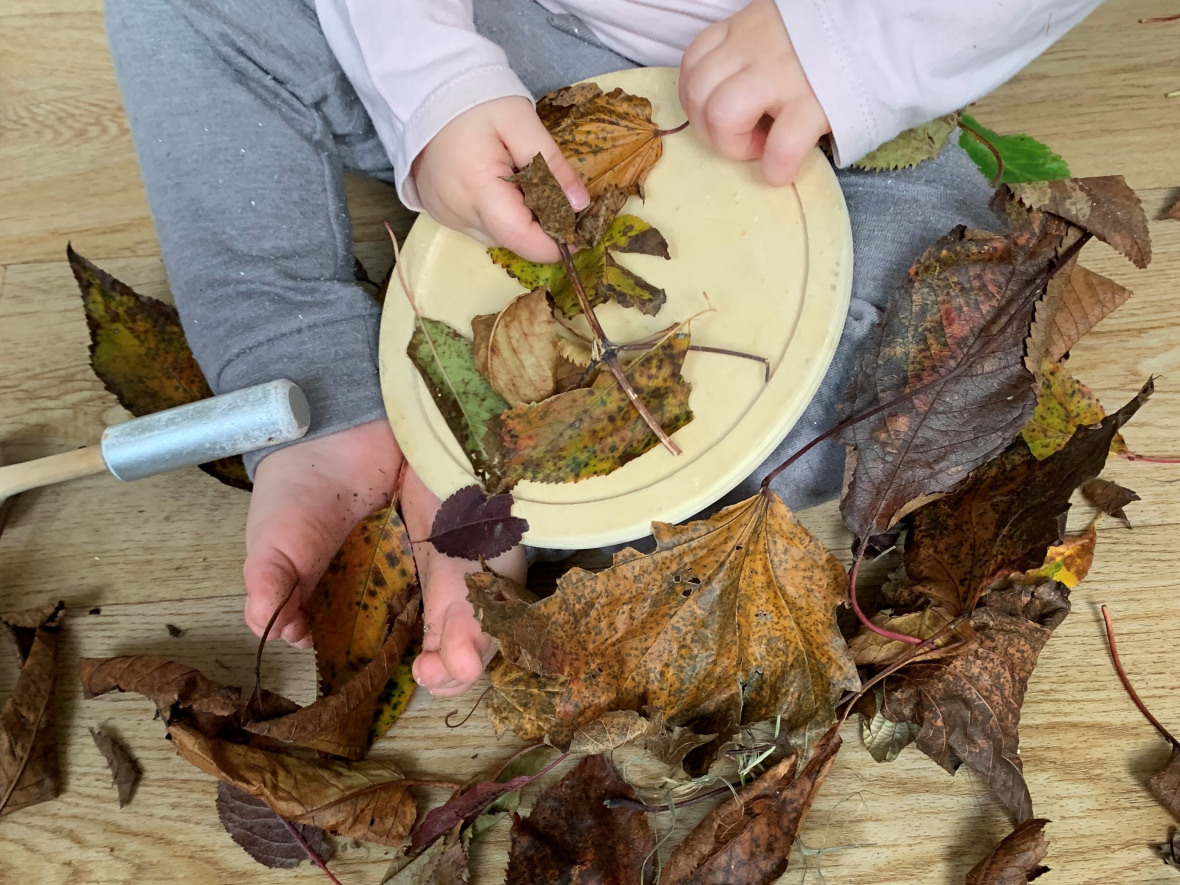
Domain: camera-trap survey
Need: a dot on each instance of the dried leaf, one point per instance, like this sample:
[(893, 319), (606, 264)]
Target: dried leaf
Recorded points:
[(883, 738), (912, 146), (1173, 214), (340, 722), (672, 745), (611, 731), (609, 138), (125, 771), (1017, 859), (576, 352), (443, 863), (473, 525), (571, 836), (1165, 785), (1105, 206), (592, 431), (873, 649), (261, 833), (544, 196), (29, 772), (1063, 404), (522, 701), (1076, 300), (139, 353), (1067, 563), (367, 587), (749, 838), (1109, 497), (967, 705), (1025, 158), (1005, 517), (446, 362), (602, 280), (694, 630), (360, 800)]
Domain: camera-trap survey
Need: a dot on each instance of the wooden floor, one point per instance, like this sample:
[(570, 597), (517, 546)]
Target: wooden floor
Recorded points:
[(169, 550)]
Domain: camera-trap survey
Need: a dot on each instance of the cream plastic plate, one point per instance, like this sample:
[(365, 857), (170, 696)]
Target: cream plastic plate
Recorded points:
[(775, 264)]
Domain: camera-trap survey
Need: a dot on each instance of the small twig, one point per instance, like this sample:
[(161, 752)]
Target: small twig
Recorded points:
[(991, 147), (474, 707), (1160, 19), (256, 697), (442, 785), (1172, 94), (1131, 456), (315, 858), (1118, 668), (622, 802)]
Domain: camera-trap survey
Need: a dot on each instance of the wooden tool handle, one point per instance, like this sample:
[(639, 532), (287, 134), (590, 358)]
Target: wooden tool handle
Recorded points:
[(46, 471)]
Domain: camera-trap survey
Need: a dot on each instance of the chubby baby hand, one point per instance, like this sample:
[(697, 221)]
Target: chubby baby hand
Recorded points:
[(745, 92)]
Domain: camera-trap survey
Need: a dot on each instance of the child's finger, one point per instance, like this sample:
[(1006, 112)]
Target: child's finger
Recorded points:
[(795, 132), (733, 111), (269, 576), (529, 137), (504, 216), (702, 81)]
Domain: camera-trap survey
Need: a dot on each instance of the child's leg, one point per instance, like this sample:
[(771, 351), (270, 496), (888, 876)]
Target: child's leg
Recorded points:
[(895, 216)]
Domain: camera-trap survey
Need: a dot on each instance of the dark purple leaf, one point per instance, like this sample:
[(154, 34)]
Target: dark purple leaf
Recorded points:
[(472, 525), (262, 833)]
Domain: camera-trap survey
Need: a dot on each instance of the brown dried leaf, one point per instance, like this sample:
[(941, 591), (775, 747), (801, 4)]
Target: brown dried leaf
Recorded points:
[(339, 723), (883, 738), (967, 705), (1173, 214), (611, 731), (873, 649), (672, 745), (261, 833), (571, 836), (125, 771), (1017, 859), (695, 629), (1165, 785), (1105, 206), (360, 800), (1109, 497), (609, 138), (522, 701), (443, 863), (524, 362), (544, 196), (29, 772), (749, 838), (1067, 563), (1076, 300)]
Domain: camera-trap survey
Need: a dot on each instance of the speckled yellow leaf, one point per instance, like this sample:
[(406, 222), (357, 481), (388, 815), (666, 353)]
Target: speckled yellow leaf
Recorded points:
[(1063, 404)]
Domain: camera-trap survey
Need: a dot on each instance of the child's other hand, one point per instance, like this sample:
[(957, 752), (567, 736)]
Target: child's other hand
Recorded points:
[(308, 497), (745, 92), (460, 176)]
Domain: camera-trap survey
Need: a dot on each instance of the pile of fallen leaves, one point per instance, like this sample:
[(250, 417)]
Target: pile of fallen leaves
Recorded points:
[(967, 437)]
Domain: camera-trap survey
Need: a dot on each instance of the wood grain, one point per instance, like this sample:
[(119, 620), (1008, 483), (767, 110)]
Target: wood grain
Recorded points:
[(168, 550)]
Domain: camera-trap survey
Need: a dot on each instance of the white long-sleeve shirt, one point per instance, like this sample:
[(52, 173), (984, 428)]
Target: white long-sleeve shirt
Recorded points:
[(877, 66)]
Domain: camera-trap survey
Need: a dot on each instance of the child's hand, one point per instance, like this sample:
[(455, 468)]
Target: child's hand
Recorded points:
[(308, 497), (460, 176), (741, 71)]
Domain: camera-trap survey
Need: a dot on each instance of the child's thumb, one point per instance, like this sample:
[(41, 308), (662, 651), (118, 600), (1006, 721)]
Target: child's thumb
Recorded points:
[(273, 580)]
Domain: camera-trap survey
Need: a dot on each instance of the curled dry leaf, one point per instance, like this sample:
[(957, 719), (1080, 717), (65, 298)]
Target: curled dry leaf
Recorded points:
[(125, 771), (139, 353), (611, 731), (1017, 859), (367, 588), (1063, 405), (29, 772), (544, 196), (911, 147), (1067, 563), (262, 834), (571, 836), (361, 800), (1076, 300), (1165, 785), (884, 738), (1109, 497), (591, 431), (470, 524), (749, 837), (704, 648)]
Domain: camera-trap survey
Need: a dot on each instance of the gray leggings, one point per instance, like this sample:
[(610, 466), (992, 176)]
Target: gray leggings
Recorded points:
[(245, 125)]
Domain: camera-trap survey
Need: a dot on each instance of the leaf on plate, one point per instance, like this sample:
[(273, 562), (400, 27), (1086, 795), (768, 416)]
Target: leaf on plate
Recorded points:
[(1076, 300), (967, 705), (544, 196), (366, 800), (911, 147), (609, 138), (1109, 497), (1063, 404), (749, 837), (367, 587), (591, 431), (1105, 206), (694, 630), (139, 353), (1017, 859), (125, 771), (471, 524), (261, 833), (29, 772), (1005, 517), (520, 352), (446, 362), (571, 836), (1025, 158), (602, 280), (340, 723)]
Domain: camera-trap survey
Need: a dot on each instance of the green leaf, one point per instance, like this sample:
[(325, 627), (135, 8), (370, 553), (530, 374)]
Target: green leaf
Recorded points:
[(602, 278), (446, 361), (911, 147), (1025, 158)]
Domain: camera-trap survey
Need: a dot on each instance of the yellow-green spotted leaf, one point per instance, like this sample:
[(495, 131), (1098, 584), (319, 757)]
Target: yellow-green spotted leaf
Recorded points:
[(1063, 405), (911, 147)]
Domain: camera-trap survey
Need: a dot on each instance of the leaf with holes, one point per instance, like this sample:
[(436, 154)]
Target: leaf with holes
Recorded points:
[(1025, 158), (261, 833), (473, 525), (911, 147)]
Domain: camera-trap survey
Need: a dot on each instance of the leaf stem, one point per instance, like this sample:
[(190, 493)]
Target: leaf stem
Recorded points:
[(442, 785), (860, 615), (315, 858), (1150, 459), (1160, 19), (967, 127), (659, 133), (470, 713), (1118, 668), (256, 696), (623, 802)]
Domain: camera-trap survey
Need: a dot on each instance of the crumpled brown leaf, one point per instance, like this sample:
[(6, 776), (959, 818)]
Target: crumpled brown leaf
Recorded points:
[(571, 836), (125, 771), (1017, 859), (1076, 300), (1165, 785), (544, 196), (261, 833), (694, 630), (748, 838), (29, 772), (1109, 497)]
